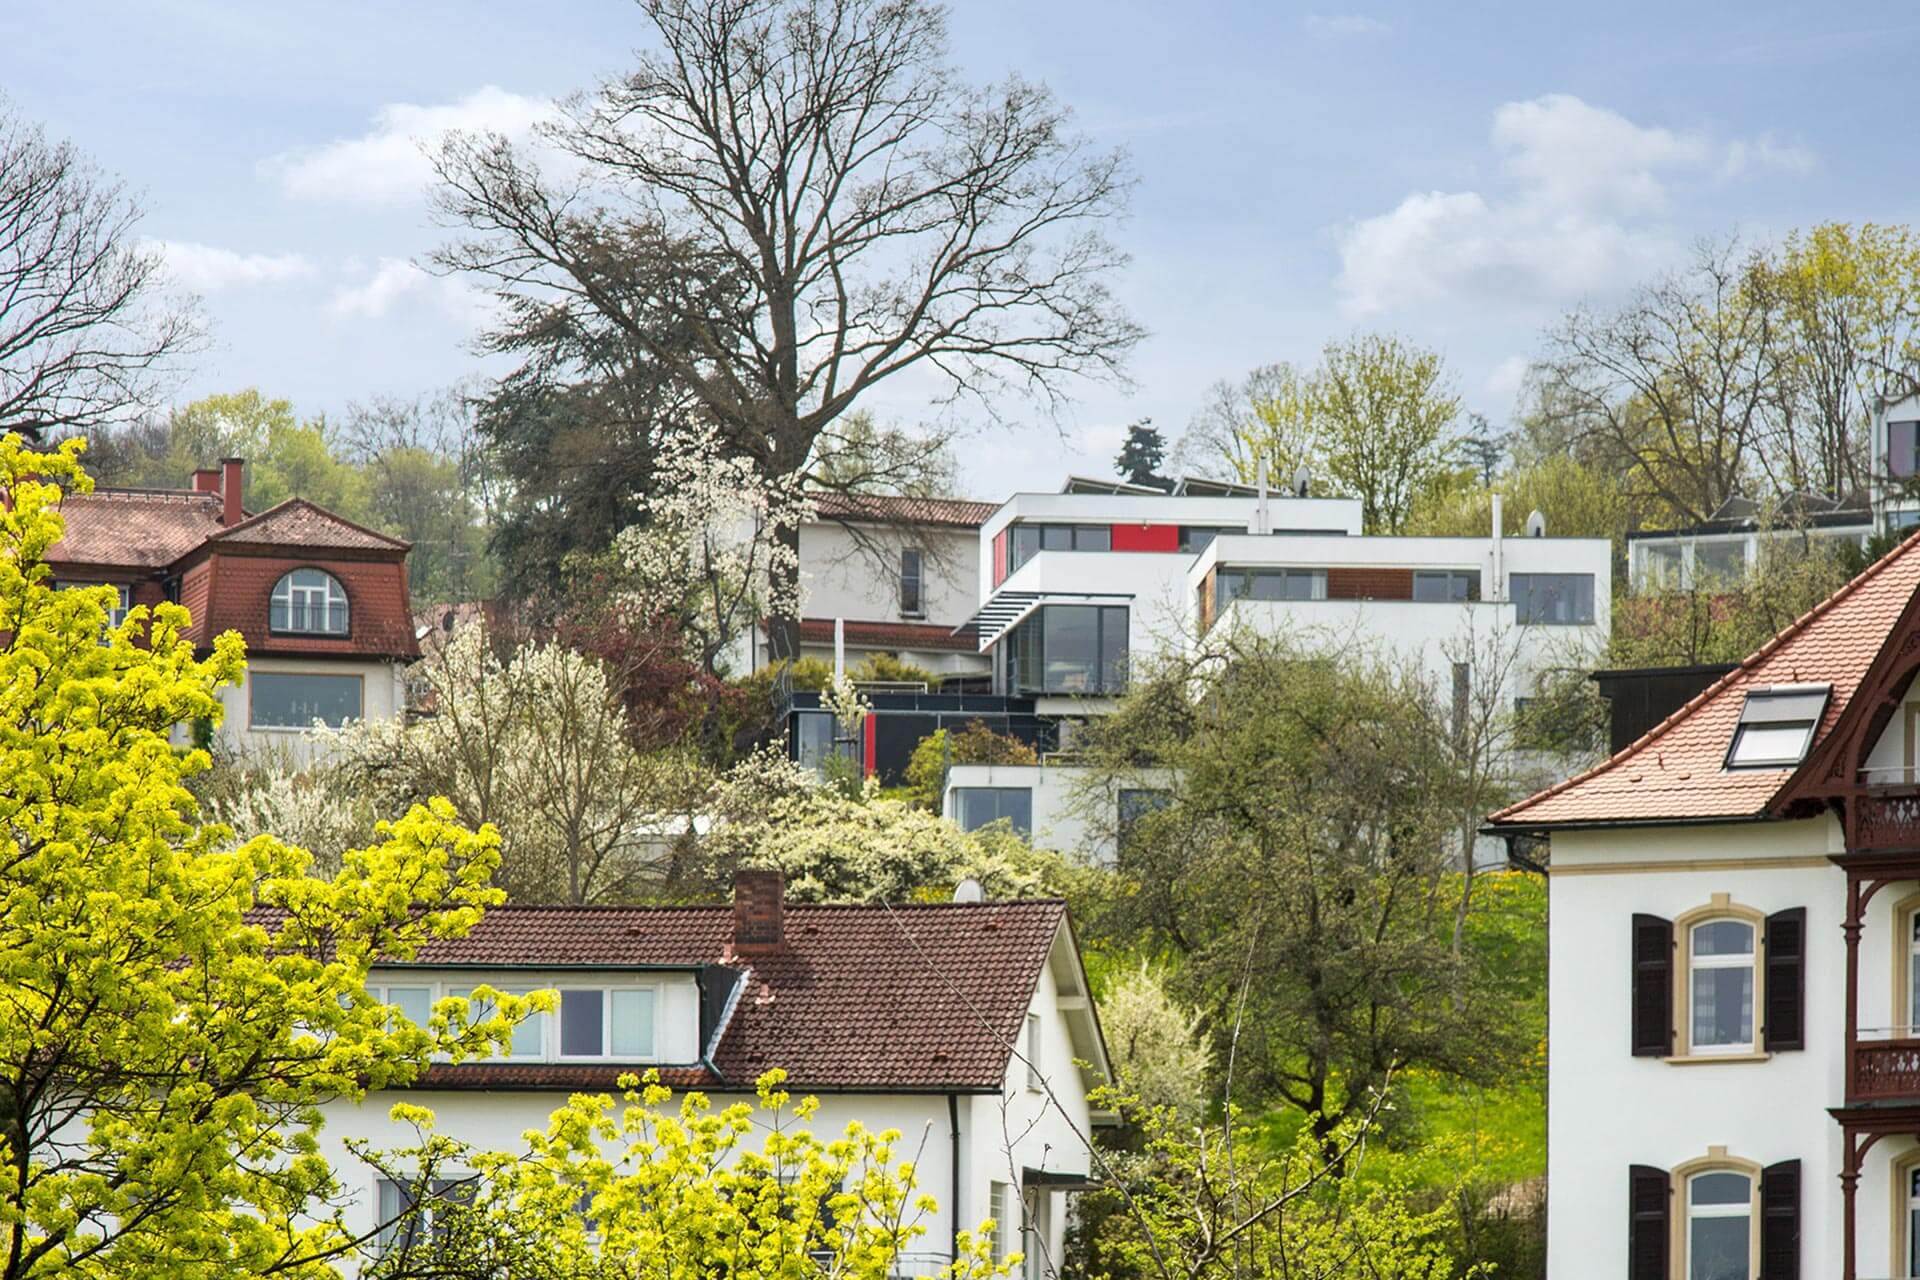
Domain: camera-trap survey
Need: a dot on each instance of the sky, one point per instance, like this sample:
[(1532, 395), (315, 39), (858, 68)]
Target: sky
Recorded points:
[(1458, 174)]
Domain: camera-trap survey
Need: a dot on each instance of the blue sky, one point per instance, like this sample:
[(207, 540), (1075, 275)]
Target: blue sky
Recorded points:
[(1461, 174)]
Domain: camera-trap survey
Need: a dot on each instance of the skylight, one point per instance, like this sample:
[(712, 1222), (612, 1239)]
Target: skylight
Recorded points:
[(1776, 726)]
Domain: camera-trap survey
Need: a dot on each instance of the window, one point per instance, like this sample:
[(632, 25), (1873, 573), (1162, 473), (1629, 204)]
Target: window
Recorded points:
[(1194, 539), (308, 602), (912, 599), (1445, 586), (1913, 981), (1719, 1229), (1719, 563), (1903, 448), (529, 1034), (1776, 726), (1720, 987), (295, 699), (117, 611), (1660, 564), (1553, 599), (1034, 1076), (1136, 804), (1030, 539), (1069, 648), (414, 1003), (1000, 1207), (975, 807), (1270, 584), (401, 1227)]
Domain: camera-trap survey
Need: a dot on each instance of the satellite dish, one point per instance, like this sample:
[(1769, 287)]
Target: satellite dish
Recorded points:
[(969, 891), (1536, 525)]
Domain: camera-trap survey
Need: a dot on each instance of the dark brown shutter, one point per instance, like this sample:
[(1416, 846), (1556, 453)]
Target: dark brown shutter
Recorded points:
[(1647, 1194), (1780, 1221), (1786, 981), (1652, 986)]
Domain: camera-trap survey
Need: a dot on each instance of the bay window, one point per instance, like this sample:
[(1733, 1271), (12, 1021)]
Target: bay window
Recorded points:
[(1069, 648)]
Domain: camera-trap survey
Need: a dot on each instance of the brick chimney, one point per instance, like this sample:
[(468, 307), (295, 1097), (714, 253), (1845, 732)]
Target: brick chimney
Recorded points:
[(232, 486), (759, 912), (206, 480)]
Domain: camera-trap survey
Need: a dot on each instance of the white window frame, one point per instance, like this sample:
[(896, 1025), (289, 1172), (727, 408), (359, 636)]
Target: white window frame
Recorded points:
[(1036, 1078), (547, 1024), (1691, 1213), (607, 992), (1748, 960), (1780, 707), (1001, 1202), (329, 590)]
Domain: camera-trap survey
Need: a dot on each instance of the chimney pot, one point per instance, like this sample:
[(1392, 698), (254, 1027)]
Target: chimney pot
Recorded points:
[(759, 911), (232, 486)]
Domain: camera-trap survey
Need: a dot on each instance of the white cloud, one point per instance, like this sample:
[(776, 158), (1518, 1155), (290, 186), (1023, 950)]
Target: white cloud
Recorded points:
[(395, 284), (389, 163), (206, 268), (1345, 24), (1583, 215), (1505, 380)]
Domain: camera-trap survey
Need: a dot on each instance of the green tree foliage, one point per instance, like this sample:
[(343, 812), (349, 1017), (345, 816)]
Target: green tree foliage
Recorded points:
[(1142, 456), (1299, 871), (1376, 419), (748, 1192), (1577, 499), (974, 744), (164, 1053)]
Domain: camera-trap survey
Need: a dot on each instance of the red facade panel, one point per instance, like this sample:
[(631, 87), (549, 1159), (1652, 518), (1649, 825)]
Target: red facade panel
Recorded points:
[(1146, 537), (1000, 557)]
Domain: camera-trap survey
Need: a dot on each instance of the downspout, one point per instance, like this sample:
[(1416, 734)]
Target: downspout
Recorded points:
[(953, 1177)]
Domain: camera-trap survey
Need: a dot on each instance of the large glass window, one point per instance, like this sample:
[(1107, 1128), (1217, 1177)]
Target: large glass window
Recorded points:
[(1269, 584), (1903, 444), (975, 807), (1136, 803), (402, 1227), (1660, 564), (1445, 586), (295, 699), (414, 1003), (1553, 599), (308, 602), (1721, 986), (1719, 1226), (816, 740), (1030, 539), (1719, 563), (1070, 648)]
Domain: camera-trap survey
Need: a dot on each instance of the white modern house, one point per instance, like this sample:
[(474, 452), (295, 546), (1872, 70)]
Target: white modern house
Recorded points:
[(1078, 588), (967, 1026), (1733, 1061), (1726, 547), (1896, 465)]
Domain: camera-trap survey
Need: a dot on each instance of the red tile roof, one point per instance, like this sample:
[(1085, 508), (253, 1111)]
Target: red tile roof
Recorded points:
[(297, 522), (888, 635), (134, 528), (1676, 772), (924, 997), (881, 508)]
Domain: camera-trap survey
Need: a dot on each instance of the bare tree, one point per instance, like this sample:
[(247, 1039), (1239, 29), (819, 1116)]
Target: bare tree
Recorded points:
[(87, 327), (809, 190)]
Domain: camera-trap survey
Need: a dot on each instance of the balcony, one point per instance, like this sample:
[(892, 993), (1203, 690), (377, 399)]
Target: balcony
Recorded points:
[(1886, 814), (1886, 1070)]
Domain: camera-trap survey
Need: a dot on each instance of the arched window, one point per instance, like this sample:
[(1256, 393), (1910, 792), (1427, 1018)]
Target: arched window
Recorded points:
[(1720, 986), (308, 602), (1719, 1230)]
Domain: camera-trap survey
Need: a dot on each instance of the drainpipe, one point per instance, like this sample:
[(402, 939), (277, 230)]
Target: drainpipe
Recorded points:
[(839, 649), (1498, 588), (953, 1177)]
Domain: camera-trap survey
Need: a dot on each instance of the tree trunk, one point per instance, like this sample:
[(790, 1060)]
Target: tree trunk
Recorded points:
[(783, 627)]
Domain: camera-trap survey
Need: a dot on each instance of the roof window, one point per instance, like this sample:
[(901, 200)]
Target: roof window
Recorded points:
[(1776, 726)]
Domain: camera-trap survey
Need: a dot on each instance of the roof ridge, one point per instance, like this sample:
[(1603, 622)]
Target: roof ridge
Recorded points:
[(1740, 668), (789, 905), (311, 505)]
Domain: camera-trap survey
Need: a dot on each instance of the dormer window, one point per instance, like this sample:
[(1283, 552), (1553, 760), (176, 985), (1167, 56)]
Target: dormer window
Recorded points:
[(1776, 726), (308, 602)]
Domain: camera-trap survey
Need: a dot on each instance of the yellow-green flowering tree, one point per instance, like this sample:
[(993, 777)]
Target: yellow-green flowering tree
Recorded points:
[(165, 1043), (646, 1191)]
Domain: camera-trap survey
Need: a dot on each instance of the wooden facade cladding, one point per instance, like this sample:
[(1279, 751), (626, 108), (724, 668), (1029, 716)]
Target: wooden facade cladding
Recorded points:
[(1369, 584)]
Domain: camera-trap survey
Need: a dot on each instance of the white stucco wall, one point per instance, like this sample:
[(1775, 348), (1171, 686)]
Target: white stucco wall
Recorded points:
[(1069, 814), (382, 697), (1608, 1110), (840, 578)]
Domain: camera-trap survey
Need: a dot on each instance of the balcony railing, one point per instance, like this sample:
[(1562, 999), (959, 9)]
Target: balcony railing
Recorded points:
[(1884, 1070), (1887, 817)]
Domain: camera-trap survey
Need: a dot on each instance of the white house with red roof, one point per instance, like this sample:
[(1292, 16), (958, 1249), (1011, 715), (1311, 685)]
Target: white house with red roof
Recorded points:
[(321, 601), (1733, 1061), (967, 1026)]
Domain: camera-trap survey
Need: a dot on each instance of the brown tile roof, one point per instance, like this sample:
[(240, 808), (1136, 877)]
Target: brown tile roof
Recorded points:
[(883, 508), (297, 522), (889, 635), (921, 997), (1675, 771), (134, 528)]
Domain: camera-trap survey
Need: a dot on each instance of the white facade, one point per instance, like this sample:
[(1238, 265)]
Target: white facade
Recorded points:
[(1033, 1133), (381, 688), (1069, 812), (1896, 466)]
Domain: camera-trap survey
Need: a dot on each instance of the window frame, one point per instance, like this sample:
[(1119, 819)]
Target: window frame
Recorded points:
[(1752, 714), (1001, 1199), (548, 1024), (1036, 1068), (1720, 907), (332, 583), (1468, 581), (1715, 1161), (1026, 644), (1592, 609), (252, 676), (913, 562), (960, 819), (1225, 575)]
